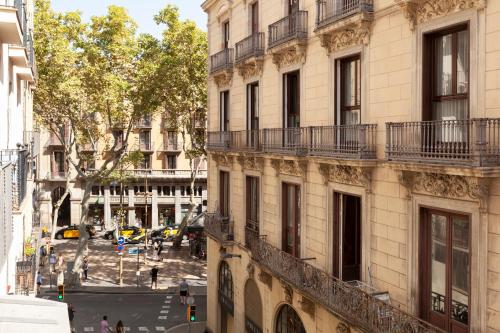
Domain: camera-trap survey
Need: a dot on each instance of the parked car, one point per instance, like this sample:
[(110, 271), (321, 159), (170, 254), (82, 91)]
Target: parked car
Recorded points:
[(166, 233), (73, 231), (126, 232)]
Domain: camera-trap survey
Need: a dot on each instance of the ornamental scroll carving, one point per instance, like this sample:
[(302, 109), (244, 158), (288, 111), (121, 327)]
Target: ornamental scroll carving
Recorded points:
[(266, 278), (223, 78), (223, 160), (345, 174), (290, 167), (419, 11), (307, 306), (342, 328), (250, 270), (250, 68), (294, 54), (352, 35), (288, 291), (444, 185), (251, 163)]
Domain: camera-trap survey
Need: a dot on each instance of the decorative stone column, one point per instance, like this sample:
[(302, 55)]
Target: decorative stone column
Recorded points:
[(154, 208)]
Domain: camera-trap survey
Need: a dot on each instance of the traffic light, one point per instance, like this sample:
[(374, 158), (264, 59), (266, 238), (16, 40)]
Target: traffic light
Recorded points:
[(60, 292), (191, 312)]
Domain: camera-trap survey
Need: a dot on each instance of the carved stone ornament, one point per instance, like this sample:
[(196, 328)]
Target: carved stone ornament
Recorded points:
[(288, 291), (345, 174), (356, 34), (266, 278), (251, 67), (307, 306), (444, 185), (223, 159), (223, 78), (250, 270), (251, 162), (343, 328), (289, 55), (290, 167), (419, 11)]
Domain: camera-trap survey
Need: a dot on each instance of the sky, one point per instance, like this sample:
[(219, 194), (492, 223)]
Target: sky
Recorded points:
[(141, 10)]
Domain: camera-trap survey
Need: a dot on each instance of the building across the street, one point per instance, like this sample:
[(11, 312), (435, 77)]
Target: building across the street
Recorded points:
[(353, 166), (19, 147), (155, 192)]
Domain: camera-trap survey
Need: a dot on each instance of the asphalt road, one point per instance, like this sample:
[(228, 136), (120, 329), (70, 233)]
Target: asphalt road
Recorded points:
[(140, 313)]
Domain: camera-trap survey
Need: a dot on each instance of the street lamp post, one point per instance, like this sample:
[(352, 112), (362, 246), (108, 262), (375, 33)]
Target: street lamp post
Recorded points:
[(121, 224)]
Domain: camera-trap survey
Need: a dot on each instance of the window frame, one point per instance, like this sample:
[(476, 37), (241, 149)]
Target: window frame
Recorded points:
[(339, 99)]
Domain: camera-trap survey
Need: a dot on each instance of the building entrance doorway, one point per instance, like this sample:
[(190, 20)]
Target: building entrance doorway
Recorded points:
[(64, 215), (143, 219)]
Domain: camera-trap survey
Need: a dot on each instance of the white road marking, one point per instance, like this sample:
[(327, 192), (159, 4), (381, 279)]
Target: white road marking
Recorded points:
[(164, 311), (167, 301), (169, 297), (160, 328), (162, 317), (88, 329), (45, 297), (143, 329), (126, 328), (166, 306)]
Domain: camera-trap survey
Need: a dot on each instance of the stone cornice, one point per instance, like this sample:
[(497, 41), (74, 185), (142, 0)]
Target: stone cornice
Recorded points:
[(222, 159), (290, 53), (249, 162), (420, 11), (296, 168), (250, 67)]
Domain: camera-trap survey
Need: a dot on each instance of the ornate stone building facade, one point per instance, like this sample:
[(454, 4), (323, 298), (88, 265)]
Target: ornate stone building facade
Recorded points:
[(354, 164)]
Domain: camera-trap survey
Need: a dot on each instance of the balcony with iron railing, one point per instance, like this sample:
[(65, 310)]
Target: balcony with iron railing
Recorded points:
[(468, 142), (13, 21), (347, 300), (222, 61), (250, 47), (18, 158), (219, 227), (55, 141), (170, 146), (292, 27), (56, 175), (339, 141), (164, 173), (145, 122), (331, 11)]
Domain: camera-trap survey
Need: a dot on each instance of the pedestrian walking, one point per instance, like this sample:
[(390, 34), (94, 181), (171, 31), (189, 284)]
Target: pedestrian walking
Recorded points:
[(154, 277), (85, 267), (71, 316), (43, 253), (105, 325), (39, 281), (183, 291), (119, 327)]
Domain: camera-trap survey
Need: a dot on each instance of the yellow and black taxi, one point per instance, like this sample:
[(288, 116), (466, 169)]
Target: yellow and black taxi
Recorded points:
[(73, 232), (165, 233), (126, 232)]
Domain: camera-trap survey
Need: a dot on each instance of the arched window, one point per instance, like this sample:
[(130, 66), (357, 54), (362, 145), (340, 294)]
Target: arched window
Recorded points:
[(226, 288), (288, 321), (253, 307)]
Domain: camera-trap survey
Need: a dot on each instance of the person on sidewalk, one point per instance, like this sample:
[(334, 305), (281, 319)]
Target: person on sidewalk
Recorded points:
[(85, 267), (43, 253), (39, 281), (71, 316), (119, 327), (183, 291), (105, 325), (154, 277)]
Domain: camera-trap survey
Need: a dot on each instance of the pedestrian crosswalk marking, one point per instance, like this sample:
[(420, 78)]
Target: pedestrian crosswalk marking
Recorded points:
[(88, 329), (126, 328), (167, 301), (169, 297), (162, 317), (45, 297), (164, 311), (160, 328), (166, 306), (143, 329)]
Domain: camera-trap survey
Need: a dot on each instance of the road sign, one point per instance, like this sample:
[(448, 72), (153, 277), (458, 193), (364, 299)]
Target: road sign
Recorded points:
[(121, 240), (190, 300), (120, 247)]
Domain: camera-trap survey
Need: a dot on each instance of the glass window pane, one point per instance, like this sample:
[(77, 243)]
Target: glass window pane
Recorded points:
[(443, 65), (438, 263), (463, 62), (460, 270)]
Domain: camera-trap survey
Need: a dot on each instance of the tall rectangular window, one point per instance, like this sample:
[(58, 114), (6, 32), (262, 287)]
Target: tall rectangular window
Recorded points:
[(348, 95), (59, 162), (224, 111), (255, 17), (118, 138), (224, 193), (346, 237), (293, 6), (291, 100), (145, 162), (445, 270), (252, 204), (171, 162), (291, 219), (145, 140), (225, 34)]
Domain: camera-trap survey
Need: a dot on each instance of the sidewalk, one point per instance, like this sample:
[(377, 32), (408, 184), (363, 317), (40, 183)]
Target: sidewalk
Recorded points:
[(194, 290), (197, 327)]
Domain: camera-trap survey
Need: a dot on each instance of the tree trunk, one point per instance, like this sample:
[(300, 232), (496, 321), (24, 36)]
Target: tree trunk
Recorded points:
[(84, 237), (55, 214)]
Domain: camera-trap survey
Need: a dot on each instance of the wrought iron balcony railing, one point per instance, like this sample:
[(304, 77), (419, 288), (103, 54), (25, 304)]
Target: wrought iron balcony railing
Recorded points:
[(291, 140), (351, 303), (171, 145), (218, 140), (146, 146), (252, 46), (56, 141), (245, 140), (159, 173), (20, 169), (144, 122), (56, 175), (330, 11), (474, 142), (291, 27), (32, 140), (222, 60), (220, 227)]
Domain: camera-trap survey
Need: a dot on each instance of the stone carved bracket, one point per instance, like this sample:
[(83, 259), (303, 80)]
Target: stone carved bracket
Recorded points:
[(251, 67), (250, 270), (289, 55), (288, 291), (266, 278), (251, 162), (307, 306), (448, 186), (223, 159), (223, 78), (343, 328), (419, 11), (290, 167), (346, 36), (345, 174)]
